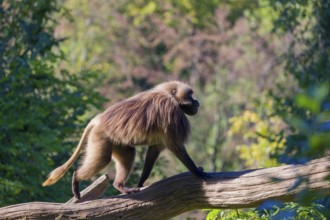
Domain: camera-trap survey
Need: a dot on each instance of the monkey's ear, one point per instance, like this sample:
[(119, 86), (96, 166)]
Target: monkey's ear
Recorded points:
[(173, 92)]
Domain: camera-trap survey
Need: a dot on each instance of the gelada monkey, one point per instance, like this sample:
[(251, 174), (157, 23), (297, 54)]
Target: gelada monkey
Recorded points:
[(155, 118)]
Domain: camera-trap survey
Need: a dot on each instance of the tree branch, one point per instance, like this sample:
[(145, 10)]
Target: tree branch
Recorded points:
[(184, 192)]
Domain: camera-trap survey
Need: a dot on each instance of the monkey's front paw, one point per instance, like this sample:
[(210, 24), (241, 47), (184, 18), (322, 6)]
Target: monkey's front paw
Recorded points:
[(201, 169), (203, 174)]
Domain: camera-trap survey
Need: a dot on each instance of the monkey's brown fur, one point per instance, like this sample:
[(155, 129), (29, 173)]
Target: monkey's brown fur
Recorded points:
[(155, 118)]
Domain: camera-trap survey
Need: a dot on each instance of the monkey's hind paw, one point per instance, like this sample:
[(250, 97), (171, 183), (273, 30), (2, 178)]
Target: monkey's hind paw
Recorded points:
[(132, 190), (77, 195)]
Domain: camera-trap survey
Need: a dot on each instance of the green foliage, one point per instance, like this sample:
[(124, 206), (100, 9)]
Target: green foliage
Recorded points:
[(307, 113), (311, 136), (40, 109), (307, 60), (199, 15), (312, 99), (300, 212), (292, 211), (308, 56), (260, 136), (217, 214)]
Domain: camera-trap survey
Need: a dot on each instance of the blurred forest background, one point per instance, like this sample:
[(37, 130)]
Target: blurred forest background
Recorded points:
[(260, 69)]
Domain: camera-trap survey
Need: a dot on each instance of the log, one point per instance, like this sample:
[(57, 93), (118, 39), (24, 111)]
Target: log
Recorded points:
[(184, 192), (94, 191)]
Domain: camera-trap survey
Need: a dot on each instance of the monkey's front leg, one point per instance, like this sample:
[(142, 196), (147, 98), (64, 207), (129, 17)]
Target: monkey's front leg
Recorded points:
[(151, 157), (183, 156)]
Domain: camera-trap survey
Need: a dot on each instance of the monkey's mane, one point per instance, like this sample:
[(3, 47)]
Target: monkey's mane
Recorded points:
[(144, 116)]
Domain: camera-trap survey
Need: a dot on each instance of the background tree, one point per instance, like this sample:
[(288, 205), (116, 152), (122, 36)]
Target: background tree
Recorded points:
[(40, 109), (307, 60)]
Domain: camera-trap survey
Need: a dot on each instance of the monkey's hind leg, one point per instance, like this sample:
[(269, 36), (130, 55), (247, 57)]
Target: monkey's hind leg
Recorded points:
[(75, 186), (124, 158), (97, 157)]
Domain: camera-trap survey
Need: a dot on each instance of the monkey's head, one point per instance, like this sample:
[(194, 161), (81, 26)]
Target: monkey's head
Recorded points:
[(183, 94), (188, 104)]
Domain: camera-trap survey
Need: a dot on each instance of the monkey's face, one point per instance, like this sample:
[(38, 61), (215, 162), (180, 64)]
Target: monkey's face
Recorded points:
[(188, 104)]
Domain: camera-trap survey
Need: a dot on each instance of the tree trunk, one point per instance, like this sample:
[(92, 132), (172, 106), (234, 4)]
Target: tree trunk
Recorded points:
[(185, 192)]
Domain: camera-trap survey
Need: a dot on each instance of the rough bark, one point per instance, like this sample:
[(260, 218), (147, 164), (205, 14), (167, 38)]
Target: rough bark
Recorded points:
[(184, 192), (94, 191)]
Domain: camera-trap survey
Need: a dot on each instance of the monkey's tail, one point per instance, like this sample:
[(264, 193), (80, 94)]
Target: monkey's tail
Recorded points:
[(59, 172)]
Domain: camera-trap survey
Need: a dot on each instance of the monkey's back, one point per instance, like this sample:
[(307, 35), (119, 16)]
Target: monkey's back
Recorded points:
[(146, 119)]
